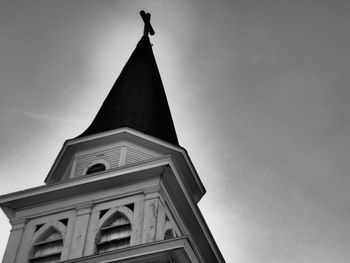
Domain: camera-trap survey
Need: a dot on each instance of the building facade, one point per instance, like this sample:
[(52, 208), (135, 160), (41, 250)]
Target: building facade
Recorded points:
[(122, 191)]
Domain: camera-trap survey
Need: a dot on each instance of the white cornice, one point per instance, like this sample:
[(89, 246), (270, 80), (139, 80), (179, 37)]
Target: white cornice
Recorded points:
[(157, 164), (149, 252)]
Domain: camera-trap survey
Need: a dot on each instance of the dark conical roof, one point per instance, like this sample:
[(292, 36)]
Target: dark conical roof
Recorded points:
[(137, 99)]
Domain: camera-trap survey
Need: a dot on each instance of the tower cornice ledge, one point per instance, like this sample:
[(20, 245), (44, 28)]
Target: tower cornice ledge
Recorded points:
[(77, 186), (155, 252)]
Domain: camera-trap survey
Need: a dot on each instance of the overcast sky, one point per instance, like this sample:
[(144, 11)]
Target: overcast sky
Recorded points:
[(259, 92)]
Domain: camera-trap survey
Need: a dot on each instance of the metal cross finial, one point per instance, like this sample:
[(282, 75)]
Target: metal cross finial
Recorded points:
[(146, 17)]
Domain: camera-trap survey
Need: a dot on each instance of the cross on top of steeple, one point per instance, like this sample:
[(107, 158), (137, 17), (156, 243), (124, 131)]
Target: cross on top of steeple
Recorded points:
[(146, 17)]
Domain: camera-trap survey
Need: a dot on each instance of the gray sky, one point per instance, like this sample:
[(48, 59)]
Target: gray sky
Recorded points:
[(259, 92)]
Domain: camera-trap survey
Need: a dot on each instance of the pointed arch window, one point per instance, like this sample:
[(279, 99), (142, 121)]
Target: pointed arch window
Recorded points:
[(169, 232), (114, 234), (48, 248)]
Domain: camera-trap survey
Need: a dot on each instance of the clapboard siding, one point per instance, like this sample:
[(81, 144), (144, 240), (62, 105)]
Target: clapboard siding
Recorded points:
[(115, 157), (134, 156), (112, 156)]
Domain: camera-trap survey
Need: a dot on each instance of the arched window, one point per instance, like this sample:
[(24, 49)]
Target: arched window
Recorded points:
[(48, 248), (114, 234), (96, 168)]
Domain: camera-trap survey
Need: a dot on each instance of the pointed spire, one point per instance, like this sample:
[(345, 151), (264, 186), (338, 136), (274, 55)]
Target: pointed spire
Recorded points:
[(137, 99)]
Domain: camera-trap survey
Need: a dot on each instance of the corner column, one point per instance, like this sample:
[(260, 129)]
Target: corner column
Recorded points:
[(15, 238), (153, 215)]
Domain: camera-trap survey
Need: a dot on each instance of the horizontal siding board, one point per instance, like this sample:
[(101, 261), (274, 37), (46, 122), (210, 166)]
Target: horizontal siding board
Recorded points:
[(134, 156), (112, 156)]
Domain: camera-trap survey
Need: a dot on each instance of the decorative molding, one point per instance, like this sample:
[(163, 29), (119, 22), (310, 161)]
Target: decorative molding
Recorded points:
[(84, 209), (111, 212), (152, 192), (56, 225), (18, 223)]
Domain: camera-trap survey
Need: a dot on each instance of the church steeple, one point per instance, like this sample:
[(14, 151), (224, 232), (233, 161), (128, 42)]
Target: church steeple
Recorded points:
[(127, 193), (137, 99)]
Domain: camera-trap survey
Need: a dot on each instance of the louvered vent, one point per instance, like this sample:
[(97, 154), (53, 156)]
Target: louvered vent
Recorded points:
[(48, 250), (115, 234)]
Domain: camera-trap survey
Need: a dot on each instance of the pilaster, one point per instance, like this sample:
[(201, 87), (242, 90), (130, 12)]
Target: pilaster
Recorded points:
[(83, 213), (151, 207), (138, 221), (92, 231), (13, 243)]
